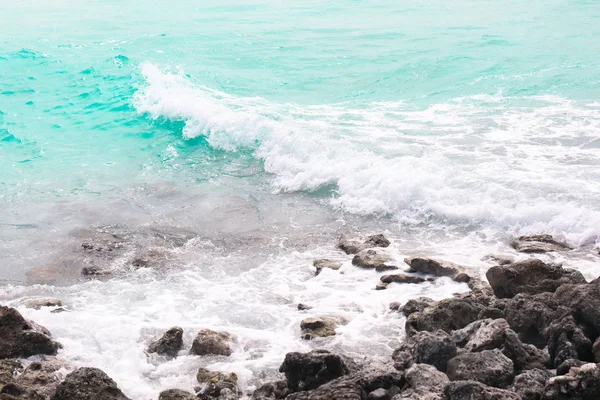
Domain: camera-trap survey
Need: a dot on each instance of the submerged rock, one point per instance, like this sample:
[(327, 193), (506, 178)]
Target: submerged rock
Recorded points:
[(489, 367), (169, 344), (88, 384), (472, 390), (538, 244), (401, 278), (306, 371), (321, 263), (176, 394), (320, 326), (530, 276), (20, 337), (353, 246), (429, 266), (37, 304), (373, 259), (209, 342)]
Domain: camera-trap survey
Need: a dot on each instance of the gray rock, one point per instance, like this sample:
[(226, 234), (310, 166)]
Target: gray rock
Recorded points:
[(581, 383), (352, 246), (339, 389), (381, 286), (530, 316), (417, 305), (88, 384), (37, 304), (583, 301), (489, 367), (169, 344), (538, 244), (372, 259), (9, 369), (401, 278), (431, 266), (472, 390), (303, 307), (307, 371), (490, 335), (176, 394), (42, 376), (423, 382), (524, 355), (531, 276), (320, 326), (447, 315), (321, 263), (434, 348), (530, 384), (20, 337), (209, 342)]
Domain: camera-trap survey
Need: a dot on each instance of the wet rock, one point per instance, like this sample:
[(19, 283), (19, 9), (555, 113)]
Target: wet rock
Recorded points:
[(338, 389), (9, 369), (23, 338), (530, 384), (472, 390), (169, 344), (581, 383), (430, 266), (88, 384), (499, 259), (271, 390), (352, 246), (13, 391), (424, 382), (320, 326), (538, 244), (321, 263), (417, 305), (209, 342), (307, 371), (372, 259), (531, 276), (46, 274), (37, 304), (42, 376), (566, 340), (303, 307), (401, 278), (176, 394), (381, 286), (447, 315), (215, 382), (433, 348), (93, 270), (153, 258), (489, 367)]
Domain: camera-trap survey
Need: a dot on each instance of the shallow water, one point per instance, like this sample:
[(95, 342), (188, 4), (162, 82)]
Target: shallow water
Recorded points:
[(238, 140)]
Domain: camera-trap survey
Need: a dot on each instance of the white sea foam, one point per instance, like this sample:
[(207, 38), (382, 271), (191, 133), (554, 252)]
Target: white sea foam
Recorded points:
[(519, 165)]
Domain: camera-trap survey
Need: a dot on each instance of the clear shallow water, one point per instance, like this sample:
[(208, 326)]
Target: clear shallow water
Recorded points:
[(257, 132)]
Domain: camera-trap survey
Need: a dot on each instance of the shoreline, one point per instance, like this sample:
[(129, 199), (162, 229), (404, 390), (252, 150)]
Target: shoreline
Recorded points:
[(544, 348)]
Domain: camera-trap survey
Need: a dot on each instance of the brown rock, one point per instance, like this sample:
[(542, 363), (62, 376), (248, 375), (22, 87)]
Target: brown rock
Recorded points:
[(209, 342)]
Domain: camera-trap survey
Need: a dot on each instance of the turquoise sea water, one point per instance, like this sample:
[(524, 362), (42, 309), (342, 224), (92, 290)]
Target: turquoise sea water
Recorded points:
[(274, 125)]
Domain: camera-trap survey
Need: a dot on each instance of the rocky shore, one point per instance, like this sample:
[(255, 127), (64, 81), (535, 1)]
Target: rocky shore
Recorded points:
[(530, 331)]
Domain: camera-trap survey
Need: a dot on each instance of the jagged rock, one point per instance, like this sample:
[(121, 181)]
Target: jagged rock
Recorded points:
[(583, 301), (531, 276), (417, 305), (401, 278), (303, 307), (530, 384), (372, 259), (13, 391), (566, 340), (489, 367), (215, 382), (538, 244), (352, 246), (430, 266), (491, 312), (209, 342), (434, 348), (37, 304), (462, 336), (169, 344), (42, 376), (381, 286), (472, 390), (320, 327), (307, 371), (88, 384), (581, 383), (176, 394), (530, 316), (338, 389), (490, 335), (321, 263), (271, 390), (524, 356), (448, 315), (9, 369), (423, 382), (566, 366), (20, 337)]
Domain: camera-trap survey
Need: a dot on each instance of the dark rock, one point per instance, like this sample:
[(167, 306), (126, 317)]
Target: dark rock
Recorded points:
[(583, 302), (524, 356), (58, 310), (307, 371), (320, 327), (434, 348), (372, 259), (566, 340), (271, 390), (228, 394), (375, 376), (471, 390), (321, 263), (176, 394), (88, 384), (448, 315), (531, 276), (92, 270), (23, 338), (489, 367), (566, 366), (491, 312), (596, 350), (417, 305), (209, 342), (153, 258), (37, 304), (352, 246), (581, 383), (395, 306), (530, 316), (430, 266), (424, 382), (303, 307), (169, 344), (530, 384), (13, 391), (339, 389), (538, 244), (401, 278), (215, 382)]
